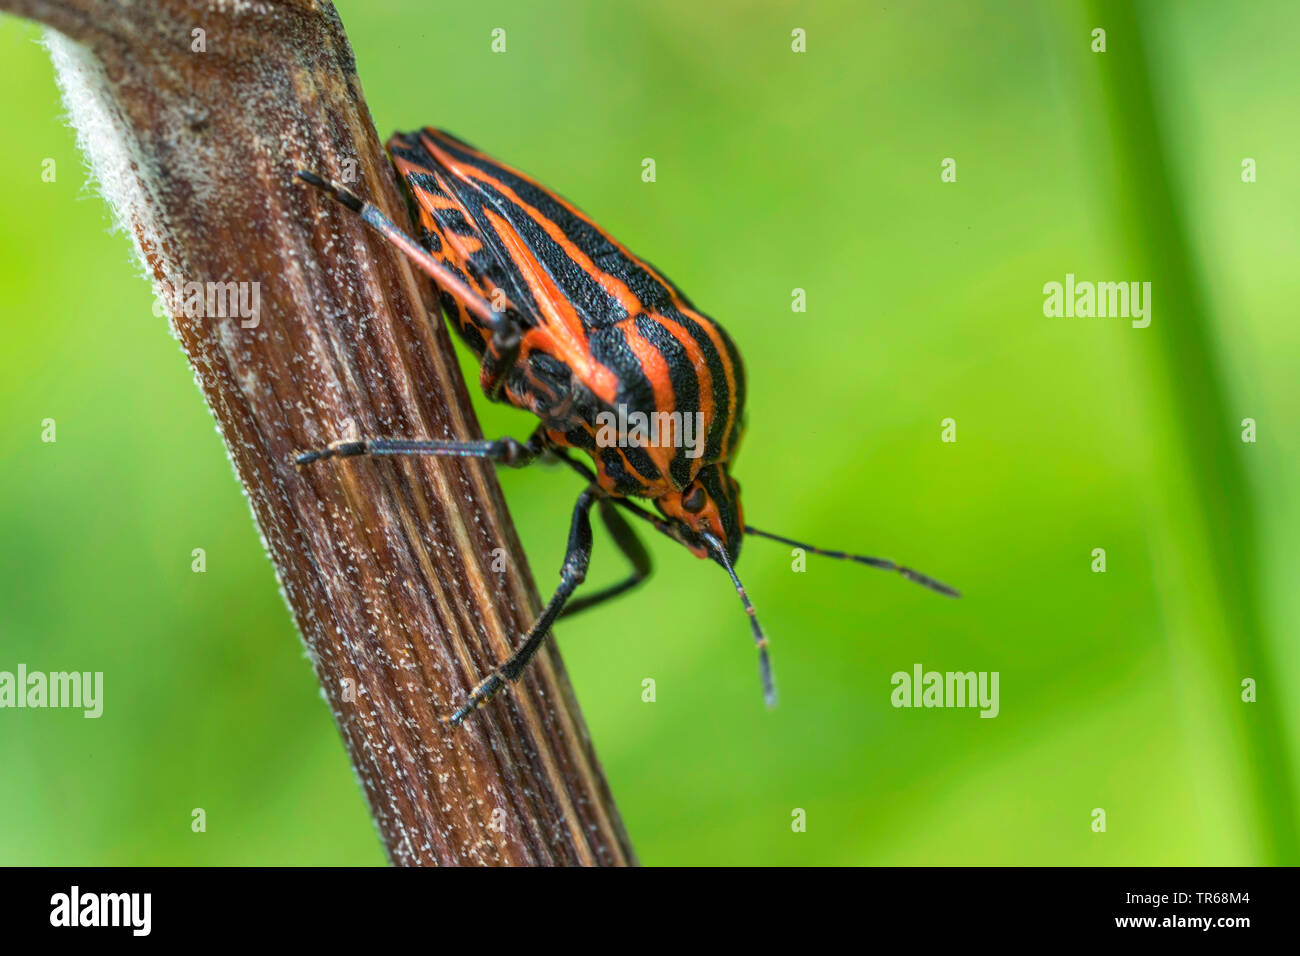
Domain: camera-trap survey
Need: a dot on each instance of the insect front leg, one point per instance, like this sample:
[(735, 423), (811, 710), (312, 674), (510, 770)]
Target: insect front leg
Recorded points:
[(574, 571), (632, 549), (504, 451)]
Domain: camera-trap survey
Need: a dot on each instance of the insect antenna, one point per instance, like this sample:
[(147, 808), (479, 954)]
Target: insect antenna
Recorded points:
[(760, 639), (883, 563)]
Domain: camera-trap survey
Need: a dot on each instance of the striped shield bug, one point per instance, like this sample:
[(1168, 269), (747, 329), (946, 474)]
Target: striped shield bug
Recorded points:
[(614, 360)]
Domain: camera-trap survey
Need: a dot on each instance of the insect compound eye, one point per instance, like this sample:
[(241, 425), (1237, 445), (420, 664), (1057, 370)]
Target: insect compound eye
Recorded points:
[(694, 499)]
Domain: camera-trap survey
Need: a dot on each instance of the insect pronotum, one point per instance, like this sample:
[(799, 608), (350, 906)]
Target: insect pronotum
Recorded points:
[(571, 326)]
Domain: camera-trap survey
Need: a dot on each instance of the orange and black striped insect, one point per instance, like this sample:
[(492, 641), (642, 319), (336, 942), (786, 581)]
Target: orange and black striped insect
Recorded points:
[(571, 326)]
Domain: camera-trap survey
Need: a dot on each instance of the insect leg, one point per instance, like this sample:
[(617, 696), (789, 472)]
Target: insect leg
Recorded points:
[(659, 524), (376, 220), (500, 359), (573, 573), (720, 554), (506, 330), (505, 451), (632, 549)]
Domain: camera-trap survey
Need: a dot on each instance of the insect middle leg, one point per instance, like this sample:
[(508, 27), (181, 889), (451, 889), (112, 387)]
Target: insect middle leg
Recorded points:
[(505, 451)]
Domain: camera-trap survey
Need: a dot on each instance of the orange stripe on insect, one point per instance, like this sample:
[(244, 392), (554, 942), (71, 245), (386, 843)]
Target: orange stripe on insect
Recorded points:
[(560, 319), (428, 137), (613, 285), (656, 372), (711, 330)]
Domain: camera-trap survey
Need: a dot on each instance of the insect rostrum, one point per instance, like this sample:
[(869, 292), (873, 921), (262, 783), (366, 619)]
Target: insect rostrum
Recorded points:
[(571, 326)]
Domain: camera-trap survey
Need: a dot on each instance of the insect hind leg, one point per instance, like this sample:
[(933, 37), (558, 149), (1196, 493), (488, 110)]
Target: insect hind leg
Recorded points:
[(507, 331), (339, 193), (504, 451), (380, 223)]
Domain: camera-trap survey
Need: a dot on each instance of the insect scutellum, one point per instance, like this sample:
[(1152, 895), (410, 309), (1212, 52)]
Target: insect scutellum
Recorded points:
[(570, 325)]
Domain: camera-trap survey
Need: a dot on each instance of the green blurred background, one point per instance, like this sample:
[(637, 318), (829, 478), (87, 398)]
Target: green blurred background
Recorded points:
[(776, 170)]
